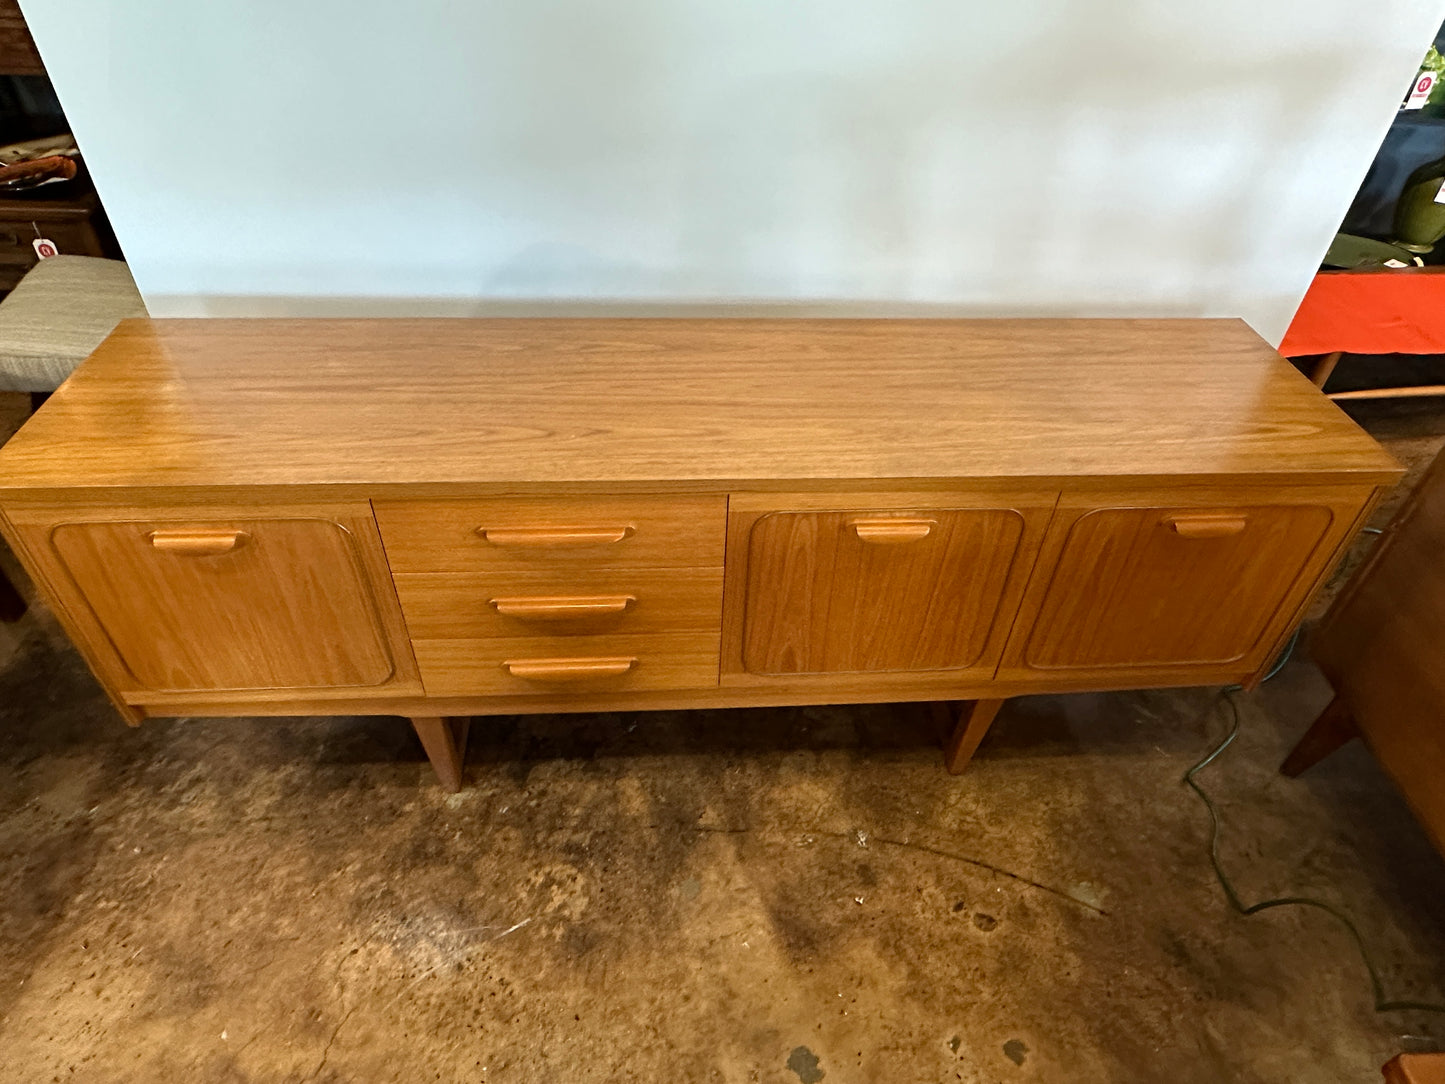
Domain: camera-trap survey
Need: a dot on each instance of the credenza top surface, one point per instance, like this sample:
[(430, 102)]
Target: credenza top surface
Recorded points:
[(696, 403)]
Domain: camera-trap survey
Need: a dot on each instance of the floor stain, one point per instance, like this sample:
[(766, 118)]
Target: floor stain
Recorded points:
[(804, 1063)]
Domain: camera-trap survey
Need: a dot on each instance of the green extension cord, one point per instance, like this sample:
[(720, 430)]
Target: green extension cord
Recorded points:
[(1383, 1003)]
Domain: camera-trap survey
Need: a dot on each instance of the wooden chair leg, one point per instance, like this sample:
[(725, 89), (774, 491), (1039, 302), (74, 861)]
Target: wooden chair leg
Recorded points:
[(970, 722), (12, 604), (1334, 727), (445, 742), (1324, 367)]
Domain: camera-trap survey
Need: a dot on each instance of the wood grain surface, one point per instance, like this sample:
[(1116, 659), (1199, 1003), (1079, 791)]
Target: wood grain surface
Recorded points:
[(507, 405), (1143, 584), (547, 534), (1380, 647), (679, 660), (853, 591), (1137, 586), (462, 605), (286, 608), (302, 601)]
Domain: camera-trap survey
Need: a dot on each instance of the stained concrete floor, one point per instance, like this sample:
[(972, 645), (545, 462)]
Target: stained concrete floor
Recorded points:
[(796, 895)]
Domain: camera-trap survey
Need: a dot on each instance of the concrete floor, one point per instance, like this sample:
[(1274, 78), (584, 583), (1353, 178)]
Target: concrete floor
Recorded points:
[(772, 895)]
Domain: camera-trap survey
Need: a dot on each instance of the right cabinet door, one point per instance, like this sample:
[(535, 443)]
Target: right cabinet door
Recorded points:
[(1154, 589)]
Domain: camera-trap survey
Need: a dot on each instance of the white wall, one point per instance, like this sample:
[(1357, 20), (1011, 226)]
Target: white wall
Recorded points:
[(841, 156)]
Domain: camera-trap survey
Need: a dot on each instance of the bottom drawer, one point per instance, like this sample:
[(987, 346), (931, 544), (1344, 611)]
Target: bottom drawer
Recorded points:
[(509, 666)]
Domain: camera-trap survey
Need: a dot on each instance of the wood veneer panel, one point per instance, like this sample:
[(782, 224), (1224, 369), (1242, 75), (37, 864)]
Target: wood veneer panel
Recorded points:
[(1121, 596), (303, 605), (510, 405), (1380, 646), (460, 605), (283, 605), (686, 660), (549, 534), (861, 590), (1168, 586)]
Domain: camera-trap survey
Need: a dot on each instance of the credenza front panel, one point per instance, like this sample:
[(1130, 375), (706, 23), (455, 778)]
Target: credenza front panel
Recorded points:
[(612, 662), (1142, 585), (897, 586), (866, 590), (551, 534), (219, 600)]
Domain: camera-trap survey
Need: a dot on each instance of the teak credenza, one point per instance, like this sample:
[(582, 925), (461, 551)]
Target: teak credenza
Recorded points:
[(446, 518)]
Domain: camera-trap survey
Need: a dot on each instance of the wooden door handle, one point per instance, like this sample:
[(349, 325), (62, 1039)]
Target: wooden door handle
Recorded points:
[(892, 530), (562, 671), (1207, 526), (563, 607), (196, 542), (555, 537)]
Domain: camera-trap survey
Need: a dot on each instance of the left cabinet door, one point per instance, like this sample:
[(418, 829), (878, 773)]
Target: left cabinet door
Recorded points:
[(189, 600)]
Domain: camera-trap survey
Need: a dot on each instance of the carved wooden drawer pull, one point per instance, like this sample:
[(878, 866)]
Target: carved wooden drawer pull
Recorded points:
[(566, 670), (197, 542), (1207, 526), (892, 530), (563, 607), (555, 537)]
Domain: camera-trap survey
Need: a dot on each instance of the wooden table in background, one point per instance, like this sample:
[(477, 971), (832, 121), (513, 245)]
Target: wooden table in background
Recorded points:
[(1379, 311)]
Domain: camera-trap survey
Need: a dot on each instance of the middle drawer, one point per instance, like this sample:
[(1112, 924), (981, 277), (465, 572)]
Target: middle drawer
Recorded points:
[(476, 605)]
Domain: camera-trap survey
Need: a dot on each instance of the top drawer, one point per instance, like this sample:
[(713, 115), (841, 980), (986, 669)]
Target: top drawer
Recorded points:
[(504, 534)]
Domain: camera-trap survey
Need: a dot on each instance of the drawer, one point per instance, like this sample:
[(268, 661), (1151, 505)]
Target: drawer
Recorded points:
[(529, 535), (470, 605), (551, 664)]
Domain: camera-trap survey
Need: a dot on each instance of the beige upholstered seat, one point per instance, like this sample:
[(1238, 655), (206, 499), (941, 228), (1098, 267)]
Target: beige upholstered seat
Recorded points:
[(60, 312)]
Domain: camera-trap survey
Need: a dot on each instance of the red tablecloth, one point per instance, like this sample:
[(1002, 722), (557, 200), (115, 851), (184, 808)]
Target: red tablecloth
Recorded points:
[(1370, 312)]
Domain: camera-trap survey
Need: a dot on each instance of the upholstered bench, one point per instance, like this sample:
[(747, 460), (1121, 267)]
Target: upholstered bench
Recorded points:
[(60, 312), (49, 324)]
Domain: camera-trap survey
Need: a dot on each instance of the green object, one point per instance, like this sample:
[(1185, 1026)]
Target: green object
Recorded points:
[(1419, 218), (1349, 251)]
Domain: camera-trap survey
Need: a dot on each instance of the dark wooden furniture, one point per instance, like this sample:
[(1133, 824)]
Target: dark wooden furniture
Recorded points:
[(18, 55), (74, 222), (447, 518), (1382, 647)]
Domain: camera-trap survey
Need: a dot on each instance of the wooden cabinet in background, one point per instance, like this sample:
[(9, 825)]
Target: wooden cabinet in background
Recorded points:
[(447, 518), (75, 222)]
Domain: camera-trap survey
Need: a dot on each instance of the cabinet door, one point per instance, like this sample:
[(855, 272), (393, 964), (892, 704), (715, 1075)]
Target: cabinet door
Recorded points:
[(1181, 586), (897, 590), (229, 604)]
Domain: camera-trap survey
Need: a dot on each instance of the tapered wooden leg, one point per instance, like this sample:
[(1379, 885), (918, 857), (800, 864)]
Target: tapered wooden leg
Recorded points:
[(445, 742), (1332, 729), (970, 722), (12, 605), (1324, 367)]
